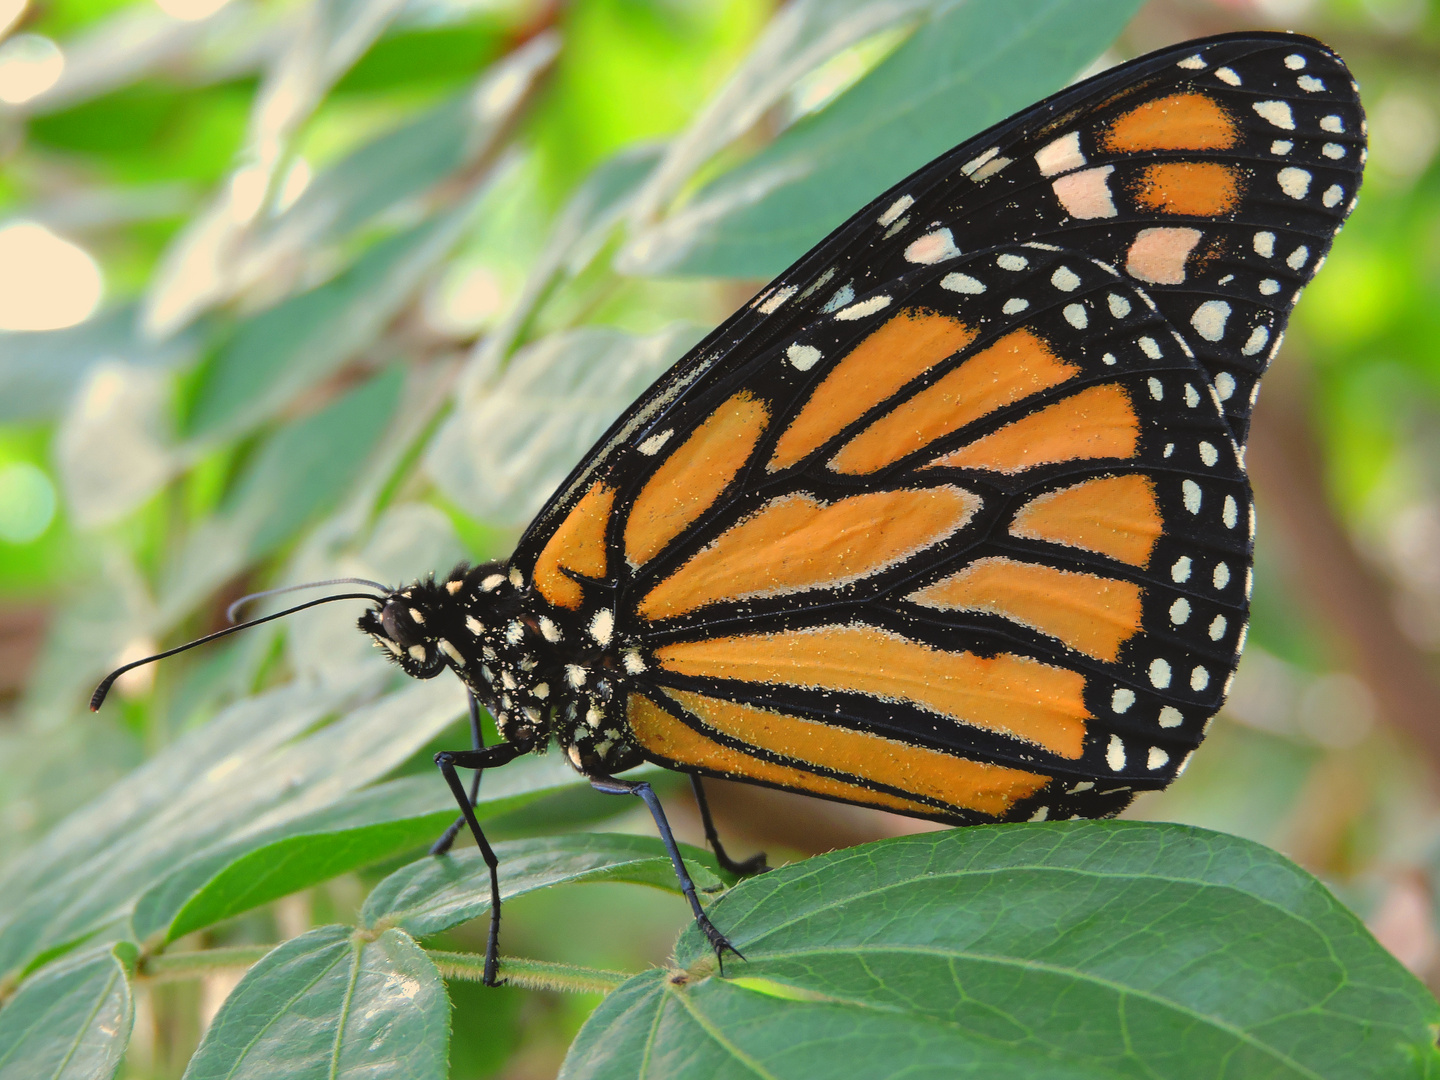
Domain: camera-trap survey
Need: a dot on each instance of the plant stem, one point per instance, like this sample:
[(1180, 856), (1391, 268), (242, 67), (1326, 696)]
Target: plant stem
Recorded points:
[(531, 974), (173, 967)]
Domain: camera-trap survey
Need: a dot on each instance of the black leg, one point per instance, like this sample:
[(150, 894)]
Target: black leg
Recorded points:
[(614, 786), (490, 757), (477, 742), (756, 864)]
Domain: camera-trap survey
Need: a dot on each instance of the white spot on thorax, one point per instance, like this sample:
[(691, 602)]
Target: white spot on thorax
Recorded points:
[(633, 661), (514, 632), (474, 625), (507, 679), (453, 587), (452, 652), (417, 652), (493, 582), (541, 691), (602, 626), (516, 578), (548, 630), (419, 619), (575, 675)]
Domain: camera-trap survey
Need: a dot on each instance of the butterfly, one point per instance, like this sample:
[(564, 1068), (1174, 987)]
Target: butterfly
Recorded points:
[(952, 518)]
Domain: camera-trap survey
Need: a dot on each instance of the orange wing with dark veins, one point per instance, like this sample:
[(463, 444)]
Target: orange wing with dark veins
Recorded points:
[(953, 518)]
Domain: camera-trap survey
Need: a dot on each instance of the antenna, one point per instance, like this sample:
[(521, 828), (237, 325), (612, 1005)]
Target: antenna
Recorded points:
[(230, 611), (98, 698)]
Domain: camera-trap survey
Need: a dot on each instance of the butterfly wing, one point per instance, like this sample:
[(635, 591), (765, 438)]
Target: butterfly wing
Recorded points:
[(952, 518)]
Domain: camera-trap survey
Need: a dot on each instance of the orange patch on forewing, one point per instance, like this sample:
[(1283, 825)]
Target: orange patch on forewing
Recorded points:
[(1202, 188), (688, 482), (1174, 122), (1016, 366), (905, 347), (1158, 255), (578, 545), (1091, 614), (1115, 515), (1013, 695), (796, 543), (934, 774), (1096, 423), (673, 742)]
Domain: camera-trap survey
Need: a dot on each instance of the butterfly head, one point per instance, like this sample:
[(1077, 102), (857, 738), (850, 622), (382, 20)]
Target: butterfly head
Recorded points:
[(407, 625)]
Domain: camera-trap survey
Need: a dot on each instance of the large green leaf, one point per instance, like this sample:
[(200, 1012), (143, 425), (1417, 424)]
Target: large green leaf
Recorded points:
[(368, 826), (332, 1005), (1062, 950), (431, 895), (248, 792), (969, 65), (71, 1021)]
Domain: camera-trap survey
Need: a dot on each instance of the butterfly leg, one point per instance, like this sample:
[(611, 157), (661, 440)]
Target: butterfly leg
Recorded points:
[(614, 786), (477, 742), (490, 757), (756, 864)]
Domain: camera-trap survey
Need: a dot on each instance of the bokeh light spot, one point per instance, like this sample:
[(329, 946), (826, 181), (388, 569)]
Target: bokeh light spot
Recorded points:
[(29, 65), (27, 502), (46, 282)]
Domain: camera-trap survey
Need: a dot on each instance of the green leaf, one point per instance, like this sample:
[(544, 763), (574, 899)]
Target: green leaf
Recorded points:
[(506, 449), (254, 788), (968, 66), (40, 371), (331, 1005), (70, 1021), (1063, 950), (434, 894), (280, 352), (364, 828)]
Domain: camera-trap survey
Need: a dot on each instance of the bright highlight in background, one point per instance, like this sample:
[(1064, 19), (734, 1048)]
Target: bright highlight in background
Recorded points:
[(190, 10), (46, 282), (10, 12), (27, 502), (29, 65)]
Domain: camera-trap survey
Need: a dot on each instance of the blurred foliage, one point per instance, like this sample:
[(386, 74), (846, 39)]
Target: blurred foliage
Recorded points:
[(375, 274)]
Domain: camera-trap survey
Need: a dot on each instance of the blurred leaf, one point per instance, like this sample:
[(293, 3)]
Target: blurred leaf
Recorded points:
[(40, 371), (329, 1005), (246, 793), (434, 894), (70, 1021), (362, 829), (1064, 950), (302, 471), (968, 66), (503, 453)]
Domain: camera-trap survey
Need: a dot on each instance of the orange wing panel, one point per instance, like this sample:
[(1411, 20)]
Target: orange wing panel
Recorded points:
[(579, 545), (1013, 695), (905, 347), (689, 481), (1016, 366), (1096, 423), (1091, 614), (796, 543), (969, 785), (1203, 188), (671, 741), (1174, 122), (1114, 515)]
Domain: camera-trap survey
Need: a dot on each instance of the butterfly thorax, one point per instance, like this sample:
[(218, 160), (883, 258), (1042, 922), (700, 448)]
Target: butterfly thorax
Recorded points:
[(538, 676)]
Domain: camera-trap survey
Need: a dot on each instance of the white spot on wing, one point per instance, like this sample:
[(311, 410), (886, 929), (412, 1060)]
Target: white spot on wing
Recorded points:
[(1192, 63), (1256, 341), (1295, 62), (1332, 124), (1309, 83), (1159, 673), (1180, 612), (602, 626), (1281, 147), (1180, 572), (962, 283), (898, 207), (1294, 182), (1265, 244), (1333, 151), (1065, 279), (1170, 717), (651, 446), (776, 299), (865, 307), (1209, 319), (1086, 194), (1199, 679), (842, 296), (1190, 493), (1227, 76), (1075, 316), (1333, 194), (1121, 700), (1012, 262), (1014, 305), (1224, 385), (802, 357), (1061, 155), (1119, 306), (1115, 754), (1277, 112), (932, 248), (1156, 759), (1298, 258)]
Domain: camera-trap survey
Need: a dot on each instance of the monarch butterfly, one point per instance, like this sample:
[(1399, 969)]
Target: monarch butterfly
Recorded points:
[(952, 518)]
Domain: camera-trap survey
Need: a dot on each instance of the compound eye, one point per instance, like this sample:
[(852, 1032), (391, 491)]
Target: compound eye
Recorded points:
[(397, 625)]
